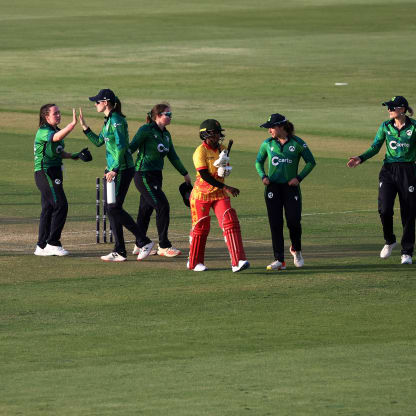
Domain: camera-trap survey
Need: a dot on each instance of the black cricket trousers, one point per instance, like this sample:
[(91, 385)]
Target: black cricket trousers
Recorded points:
[(54, 206), (281, 196), (152, 198), (398, 178)]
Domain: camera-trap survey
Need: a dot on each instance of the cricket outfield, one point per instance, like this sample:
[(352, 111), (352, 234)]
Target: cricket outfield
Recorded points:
[(82, 337)]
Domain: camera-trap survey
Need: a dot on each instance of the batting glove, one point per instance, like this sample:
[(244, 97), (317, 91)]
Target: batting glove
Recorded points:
[(222, 160), (224, 171)]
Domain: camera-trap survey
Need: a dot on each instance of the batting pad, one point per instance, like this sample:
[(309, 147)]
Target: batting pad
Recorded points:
[(232, 236)]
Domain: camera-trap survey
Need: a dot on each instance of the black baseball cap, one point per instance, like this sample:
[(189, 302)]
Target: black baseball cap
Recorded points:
[(274, 120), (397, 101), (210, 125), (104, 95)]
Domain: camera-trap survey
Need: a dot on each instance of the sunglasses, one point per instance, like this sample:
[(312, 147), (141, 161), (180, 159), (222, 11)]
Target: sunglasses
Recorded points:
[(393, 108), (167, 114), (101, 101)]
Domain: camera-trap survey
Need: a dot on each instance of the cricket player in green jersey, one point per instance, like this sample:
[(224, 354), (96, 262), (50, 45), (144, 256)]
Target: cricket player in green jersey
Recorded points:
[(397, 175), (120, 167), (48, 153), (283, 151), (153, 142)]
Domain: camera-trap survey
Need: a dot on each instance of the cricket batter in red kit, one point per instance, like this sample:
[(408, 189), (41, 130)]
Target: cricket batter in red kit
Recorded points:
[(212, 165)]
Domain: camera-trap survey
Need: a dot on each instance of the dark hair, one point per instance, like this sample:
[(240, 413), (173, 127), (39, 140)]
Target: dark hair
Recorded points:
[(289, 128), (156, 111), (116, 106), (43, 113)]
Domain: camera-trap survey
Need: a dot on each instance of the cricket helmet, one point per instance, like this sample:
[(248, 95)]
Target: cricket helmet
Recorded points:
[(210, 127)]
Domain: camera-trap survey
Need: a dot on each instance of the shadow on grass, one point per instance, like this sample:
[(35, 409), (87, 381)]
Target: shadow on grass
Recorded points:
[(325, 251), (334, 268)]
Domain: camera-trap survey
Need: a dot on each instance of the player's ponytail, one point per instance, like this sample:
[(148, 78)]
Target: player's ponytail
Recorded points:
[(116, 104), (289, 128), (43, 113), (410, 110)]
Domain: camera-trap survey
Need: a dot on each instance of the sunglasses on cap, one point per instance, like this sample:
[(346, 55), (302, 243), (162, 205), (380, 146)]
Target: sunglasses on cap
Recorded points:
[(167, 114)]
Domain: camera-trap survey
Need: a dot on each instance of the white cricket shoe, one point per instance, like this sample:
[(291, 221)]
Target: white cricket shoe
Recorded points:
[(39, 251), (277, 265), (145, 251), (198, 268), (242, 265), (406, 259), (386, 250), (113, 257), (168, 252), (136, 250), (297, 257), (54, 251)]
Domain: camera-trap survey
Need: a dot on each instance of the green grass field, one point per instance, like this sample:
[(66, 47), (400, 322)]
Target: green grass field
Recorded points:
[(81, 337)]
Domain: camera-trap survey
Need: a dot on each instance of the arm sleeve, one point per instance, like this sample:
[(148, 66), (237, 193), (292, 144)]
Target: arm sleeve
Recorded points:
[(121, 136), (93, 138), (261, 157), (310, 163), (376, 146), (176, 162), (138, 139), (47, 138), (211, 180)]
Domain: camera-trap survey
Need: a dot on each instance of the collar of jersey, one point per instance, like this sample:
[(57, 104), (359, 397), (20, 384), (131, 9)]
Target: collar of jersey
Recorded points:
[(108, 117), (209, 147), (55, 128), (271, 139), (407, 123), (154, 125)]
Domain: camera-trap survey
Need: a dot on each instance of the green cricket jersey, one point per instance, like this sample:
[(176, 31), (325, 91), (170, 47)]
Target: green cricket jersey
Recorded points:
[(115, 135), (283, 160), (153, 145), (47, 152), (400, 144)]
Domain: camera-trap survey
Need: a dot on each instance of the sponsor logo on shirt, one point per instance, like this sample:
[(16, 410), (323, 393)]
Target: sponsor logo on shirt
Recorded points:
[(58, 181), (270, 195), (394, 145), (161, 148), (276, 160), (59, 149), (411, 188), (409, 132), (292, 148)]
